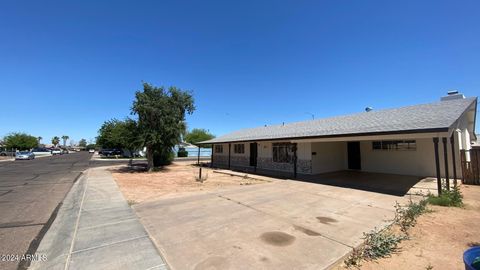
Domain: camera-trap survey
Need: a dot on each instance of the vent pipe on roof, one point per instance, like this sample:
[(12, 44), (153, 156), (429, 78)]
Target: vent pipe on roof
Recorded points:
[(368, 109), (451, 95)]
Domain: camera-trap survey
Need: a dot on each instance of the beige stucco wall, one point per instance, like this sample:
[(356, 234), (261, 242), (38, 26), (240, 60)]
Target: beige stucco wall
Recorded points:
[(420, 162), (329, 156), (332, 156)]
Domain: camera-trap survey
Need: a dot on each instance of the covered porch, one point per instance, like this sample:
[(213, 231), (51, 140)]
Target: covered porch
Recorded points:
[(387, 163)]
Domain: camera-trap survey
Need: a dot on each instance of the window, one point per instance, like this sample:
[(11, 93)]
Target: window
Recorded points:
[(239, 148), (282, 152), (218, 148), (407, 145)]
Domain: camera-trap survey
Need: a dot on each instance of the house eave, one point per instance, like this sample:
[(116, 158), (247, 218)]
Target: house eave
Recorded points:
[(349, 135)]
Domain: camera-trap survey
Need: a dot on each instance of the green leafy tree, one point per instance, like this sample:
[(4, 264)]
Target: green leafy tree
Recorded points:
[(109, 135), (55, 141), (120, 134), (20, 141), (65, 138), (130, 136), (82, 143), (198, 135), (161, 120), (90, 146)]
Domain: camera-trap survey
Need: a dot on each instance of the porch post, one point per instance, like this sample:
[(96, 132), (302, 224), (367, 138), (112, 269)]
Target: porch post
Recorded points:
[(294, 160), (445, 157), (437, 165), (211, 159), (256, 157), (452, 142), (198, 157), (229, 155)]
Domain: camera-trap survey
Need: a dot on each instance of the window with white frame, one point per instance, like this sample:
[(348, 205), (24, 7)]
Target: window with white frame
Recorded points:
[(400, 145), (218, 148), (239, 148), (282, 152)]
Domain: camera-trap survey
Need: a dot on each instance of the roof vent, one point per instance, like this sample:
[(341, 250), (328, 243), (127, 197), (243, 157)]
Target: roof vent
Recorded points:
[(451, 95), (368, 109)]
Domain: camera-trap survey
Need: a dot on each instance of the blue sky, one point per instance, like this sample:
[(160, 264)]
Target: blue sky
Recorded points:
[(67, 66)]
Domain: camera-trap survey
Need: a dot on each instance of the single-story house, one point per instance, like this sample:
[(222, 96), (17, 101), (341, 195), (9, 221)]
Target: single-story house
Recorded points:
[(421, 140)]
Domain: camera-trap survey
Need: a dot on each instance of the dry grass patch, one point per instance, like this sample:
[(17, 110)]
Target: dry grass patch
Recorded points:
[(439, 237), (178, 178)]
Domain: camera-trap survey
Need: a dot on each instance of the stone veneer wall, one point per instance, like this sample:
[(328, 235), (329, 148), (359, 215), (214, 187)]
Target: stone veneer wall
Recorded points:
[(242, 161), (267, 163), (220, 160), (303, 166)]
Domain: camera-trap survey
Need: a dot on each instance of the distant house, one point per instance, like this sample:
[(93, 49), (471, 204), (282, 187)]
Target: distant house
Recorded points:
[(407, 140)]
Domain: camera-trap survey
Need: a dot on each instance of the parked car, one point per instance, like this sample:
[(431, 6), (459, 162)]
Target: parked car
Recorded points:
[(24, 155), (91, 151), (57, 151), (41, 151), (7, 153), (110, 152)]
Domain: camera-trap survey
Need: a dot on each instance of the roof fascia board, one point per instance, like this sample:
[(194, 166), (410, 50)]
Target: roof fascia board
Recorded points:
[(379, 137), (455, 124), (398, 132)]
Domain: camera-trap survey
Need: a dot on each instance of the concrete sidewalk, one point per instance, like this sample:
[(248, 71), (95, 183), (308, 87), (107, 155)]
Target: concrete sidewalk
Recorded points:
[(96, 229)]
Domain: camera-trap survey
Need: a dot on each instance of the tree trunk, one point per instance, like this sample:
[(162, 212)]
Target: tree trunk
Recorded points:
[(130, 162), (150, 164)]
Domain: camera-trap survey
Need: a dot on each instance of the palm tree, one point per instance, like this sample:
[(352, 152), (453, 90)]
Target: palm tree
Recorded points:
[(39, 138), (55, 141), (65, 138)]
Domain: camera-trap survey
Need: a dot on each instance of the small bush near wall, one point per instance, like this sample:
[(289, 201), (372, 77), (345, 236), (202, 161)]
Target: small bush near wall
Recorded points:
[(182, 153), (451, 197), (382, 243)]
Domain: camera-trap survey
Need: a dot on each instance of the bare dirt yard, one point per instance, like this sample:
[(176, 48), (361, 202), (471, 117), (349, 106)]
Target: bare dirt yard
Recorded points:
[(439, 238), (178, 178)]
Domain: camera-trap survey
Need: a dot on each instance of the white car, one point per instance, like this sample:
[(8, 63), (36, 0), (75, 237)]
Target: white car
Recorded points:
[(91, 151), (24, 155), (57, 151)]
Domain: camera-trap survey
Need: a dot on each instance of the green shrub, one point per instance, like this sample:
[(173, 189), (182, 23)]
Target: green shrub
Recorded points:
[(380, 244), (406, 217), (452, 197), (182, 153), (377, 244), (162, 158)]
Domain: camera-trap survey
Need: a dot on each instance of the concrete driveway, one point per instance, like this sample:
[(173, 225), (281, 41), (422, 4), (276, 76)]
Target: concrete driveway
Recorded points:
[(280, 225)]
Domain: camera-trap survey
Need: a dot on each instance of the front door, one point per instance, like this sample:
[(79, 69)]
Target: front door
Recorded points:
[(253, 154), (354, 162)]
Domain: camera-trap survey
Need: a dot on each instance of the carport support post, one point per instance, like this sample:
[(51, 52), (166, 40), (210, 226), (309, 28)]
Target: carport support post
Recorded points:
[(256, 157), (437, 166), (229, 154), (294, 160), (445, 157), (452, 143), (211, 159), (198, 156)]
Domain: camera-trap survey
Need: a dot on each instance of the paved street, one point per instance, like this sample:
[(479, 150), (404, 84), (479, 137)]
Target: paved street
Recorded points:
[(30, 192)]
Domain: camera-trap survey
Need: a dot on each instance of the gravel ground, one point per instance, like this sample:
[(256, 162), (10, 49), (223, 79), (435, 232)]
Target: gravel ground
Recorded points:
[(176, 179), (439, 238)]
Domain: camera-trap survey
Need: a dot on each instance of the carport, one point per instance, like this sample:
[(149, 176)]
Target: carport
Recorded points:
[(421, 141), (392, 184)]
